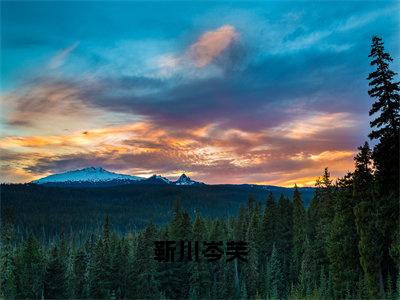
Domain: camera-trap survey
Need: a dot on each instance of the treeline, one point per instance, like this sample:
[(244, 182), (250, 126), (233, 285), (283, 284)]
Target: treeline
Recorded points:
[(43, 210)]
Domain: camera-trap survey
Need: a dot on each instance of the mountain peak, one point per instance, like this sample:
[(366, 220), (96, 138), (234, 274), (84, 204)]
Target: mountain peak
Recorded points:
[(185, 180)]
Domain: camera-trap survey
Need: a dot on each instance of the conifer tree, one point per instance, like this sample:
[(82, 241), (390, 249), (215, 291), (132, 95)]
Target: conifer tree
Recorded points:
[(30, 267), (366, 219), (55, 280), (277, 280), (200, 281), (100, 271), (119, 261), (387, 124), (343, 240), (321, 213), (385, 129), (7, 252), (80, 265), (284, 241), (370, 248), (323, 285), (299, 233), (306, 279), (147, 284), (180, 229), (269, 225)]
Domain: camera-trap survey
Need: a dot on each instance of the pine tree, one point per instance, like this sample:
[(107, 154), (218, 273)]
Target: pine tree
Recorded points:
[(299, 233), (277, 280), (200, 281), (306, 279), (119, 262), (343, 240), (251, 268), (80, 265), (320, 216), (177, 276), (147, 283), (100, 270), (55, 280), (363, 180), (366, 214), (387, 123), (323, 286), (30, 269), (284, 241), (7, 253), (370, 247), (269, 225), (385, 129)]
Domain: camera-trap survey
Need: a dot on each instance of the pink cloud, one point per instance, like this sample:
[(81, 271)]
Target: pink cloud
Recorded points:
[(211, 44), (59, 59)]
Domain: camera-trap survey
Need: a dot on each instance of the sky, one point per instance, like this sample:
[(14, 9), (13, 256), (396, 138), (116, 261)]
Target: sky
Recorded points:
[(226, 92)]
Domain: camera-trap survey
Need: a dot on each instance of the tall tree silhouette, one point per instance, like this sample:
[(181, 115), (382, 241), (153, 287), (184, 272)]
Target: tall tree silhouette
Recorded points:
[(385, 127)]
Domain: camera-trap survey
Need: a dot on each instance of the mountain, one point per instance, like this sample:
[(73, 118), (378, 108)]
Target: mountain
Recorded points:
[(96, 176), (90, 175), (99, 177), (185, 180), (156, 180)]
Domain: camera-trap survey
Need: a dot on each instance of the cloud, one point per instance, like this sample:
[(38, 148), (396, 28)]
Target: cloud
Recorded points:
[(44, 102), (238, 95), (209, 153), (59, 59), (211, 44), (209, 56)]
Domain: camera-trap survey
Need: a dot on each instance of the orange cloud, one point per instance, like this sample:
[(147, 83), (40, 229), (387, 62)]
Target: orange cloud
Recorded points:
[(333, 155), (209, 153), (313, 124), (211, 44)]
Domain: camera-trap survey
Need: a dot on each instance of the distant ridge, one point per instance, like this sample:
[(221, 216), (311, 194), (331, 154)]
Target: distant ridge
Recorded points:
[(98, 176)]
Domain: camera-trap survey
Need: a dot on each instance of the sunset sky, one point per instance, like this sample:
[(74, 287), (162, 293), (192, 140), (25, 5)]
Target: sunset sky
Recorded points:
[(227, 92)]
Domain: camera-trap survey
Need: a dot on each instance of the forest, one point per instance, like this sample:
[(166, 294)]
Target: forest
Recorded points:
[(345, 244), (45, 210)]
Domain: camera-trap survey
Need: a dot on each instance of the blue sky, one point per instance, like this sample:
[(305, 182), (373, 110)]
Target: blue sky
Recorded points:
[(265, 92)]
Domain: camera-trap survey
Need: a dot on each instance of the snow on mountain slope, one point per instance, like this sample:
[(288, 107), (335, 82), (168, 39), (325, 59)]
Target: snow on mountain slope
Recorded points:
[(185, 180), (90, 174)]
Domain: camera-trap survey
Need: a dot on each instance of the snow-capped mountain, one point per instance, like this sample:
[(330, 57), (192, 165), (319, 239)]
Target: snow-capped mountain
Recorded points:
[(87, 175), (185, 180), (96, 176)]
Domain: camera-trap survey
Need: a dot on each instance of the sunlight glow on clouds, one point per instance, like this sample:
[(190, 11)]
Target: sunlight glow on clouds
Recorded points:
[(238, 93)]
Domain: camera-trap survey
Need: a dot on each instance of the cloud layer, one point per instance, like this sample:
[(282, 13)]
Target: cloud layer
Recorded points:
[(230, 95)]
